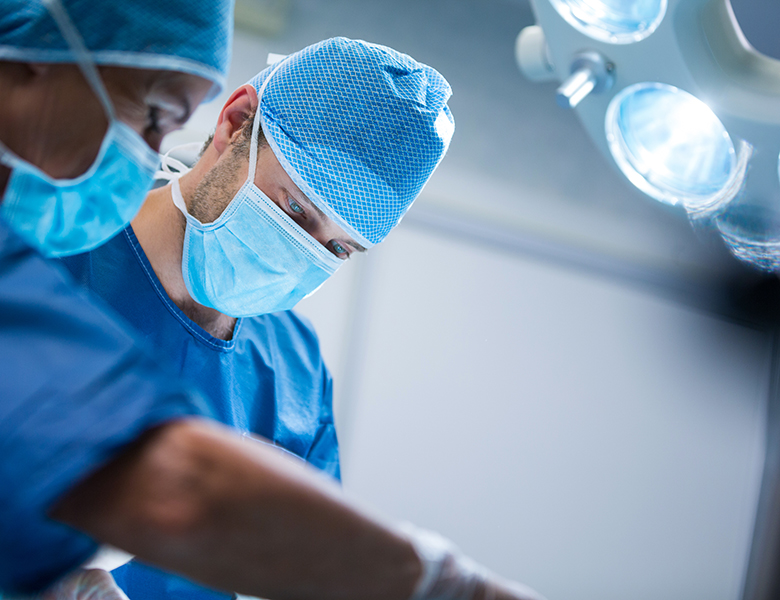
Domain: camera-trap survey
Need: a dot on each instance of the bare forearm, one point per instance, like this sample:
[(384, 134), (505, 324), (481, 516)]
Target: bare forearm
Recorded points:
[(196, 499)]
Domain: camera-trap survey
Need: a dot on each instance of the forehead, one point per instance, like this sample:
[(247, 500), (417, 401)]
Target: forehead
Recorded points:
[(176, 82), (143, 85), (178, 92)]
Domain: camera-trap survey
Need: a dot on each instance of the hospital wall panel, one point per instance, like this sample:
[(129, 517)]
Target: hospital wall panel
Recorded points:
[(569, 430)]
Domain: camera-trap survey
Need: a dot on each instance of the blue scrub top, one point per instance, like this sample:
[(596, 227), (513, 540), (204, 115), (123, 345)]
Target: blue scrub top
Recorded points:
[(75, 388), (269, 379)]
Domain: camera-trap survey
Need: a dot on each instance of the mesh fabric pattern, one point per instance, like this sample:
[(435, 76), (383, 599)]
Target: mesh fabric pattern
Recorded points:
[(190, 36), (359, 128)]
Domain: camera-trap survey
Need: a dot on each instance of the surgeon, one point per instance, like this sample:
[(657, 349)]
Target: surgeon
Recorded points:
[(88, 89), (212, 264), (98, 442)]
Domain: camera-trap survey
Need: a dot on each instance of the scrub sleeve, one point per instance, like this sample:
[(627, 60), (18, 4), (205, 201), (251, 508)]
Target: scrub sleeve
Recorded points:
[(75, 388)]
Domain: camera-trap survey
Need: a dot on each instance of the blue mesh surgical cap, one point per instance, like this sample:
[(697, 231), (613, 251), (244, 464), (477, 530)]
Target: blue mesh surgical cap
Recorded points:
[(189, 36), (358, 127)]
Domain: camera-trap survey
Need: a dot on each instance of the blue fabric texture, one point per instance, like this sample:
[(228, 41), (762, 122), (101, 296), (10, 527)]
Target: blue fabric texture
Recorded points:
[(190, 36), (359, 128), (75, 388), (142, 582), (269, 379)]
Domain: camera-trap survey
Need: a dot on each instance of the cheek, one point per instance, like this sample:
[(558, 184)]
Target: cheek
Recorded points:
[(215, 191), (153, 139), (72, 129)]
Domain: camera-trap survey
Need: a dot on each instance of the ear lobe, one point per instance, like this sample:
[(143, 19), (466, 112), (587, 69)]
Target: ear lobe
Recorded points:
[(236, 111)]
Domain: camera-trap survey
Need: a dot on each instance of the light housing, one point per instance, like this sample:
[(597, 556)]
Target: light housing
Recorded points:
[(752, 233)]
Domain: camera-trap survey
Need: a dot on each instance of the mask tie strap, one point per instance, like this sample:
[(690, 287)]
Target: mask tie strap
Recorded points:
[(172, 168), (253, 146), (77, 46), (178, 199), (256, 125)]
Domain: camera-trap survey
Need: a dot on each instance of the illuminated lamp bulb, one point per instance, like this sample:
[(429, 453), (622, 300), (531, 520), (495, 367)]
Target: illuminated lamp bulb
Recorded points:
[(613, 21), (671, 146)]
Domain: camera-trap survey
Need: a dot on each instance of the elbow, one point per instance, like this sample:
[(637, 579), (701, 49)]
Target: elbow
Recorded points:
[(161, 489), (179, 488)]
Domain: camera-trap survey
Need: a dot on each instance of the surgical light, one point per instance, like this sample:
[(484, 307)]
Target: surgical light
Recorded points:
[(613, 21), (673, 94), (670, 145)]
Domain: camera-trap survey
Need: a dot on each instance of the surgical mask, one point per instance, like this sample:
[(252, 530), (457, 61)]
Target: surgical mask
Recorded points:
[(68, 216), (254, 259)]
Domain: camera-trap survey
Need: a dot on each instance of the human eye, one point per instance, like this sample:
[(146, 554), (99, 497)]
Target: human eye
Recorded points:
[(153, 120), (339, 249), (295, 206)]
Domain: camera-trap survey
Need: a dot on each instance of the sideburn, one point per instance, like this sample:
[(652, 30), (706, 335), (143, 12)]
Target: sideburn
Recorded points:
[(222, 182)]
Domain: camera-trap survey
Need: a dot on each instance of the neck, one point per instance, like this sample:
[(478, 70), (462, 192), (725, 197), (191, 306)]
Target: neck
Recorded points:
[(160, 228)]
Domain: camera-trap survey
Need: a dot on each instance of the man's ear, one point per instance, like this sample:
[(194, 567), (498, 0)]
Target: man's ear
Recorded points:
[(236, 111)]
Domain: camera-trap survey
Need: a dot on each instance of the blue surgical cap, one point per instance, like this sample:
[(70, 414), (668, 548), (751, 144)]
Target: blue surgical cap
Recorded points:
[(190, 36), (358, 127)]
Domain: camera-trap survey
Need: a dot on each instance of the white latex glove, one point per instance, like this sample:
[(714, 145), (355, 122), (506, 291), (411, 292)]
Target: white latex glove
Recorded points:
[(84, 584), (449, 575)]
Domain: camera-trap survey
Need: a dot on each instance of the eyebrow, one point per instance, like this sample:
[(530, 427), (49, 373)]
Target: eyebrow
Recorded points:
[(356, 246)]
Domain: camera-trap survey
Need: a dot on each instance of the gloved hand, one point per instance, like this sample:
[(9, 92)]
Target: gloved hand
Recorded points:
[(84, 584), (449, 575)]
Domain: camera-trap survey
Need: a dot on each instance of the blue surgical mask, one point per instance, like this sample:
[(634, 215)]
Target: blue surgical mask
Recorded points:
[(63, 217), (68, 216), (254, 259)]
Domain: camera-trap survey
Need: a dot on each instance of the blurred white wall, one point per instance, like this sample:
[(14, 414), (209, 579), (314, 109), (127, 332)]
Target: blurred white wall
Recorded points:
[(557, 403), (574, 433)]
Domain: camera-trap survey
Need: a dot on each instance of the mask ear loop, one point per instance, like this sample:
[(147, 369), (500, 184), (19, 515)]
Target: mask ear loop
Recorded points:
[(77, 46), (253, 147)]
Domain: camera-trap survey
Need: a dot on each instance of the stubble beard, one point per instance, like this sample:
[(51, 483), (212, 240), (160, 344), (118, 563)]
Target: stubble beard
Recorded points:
[(217, 188)]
